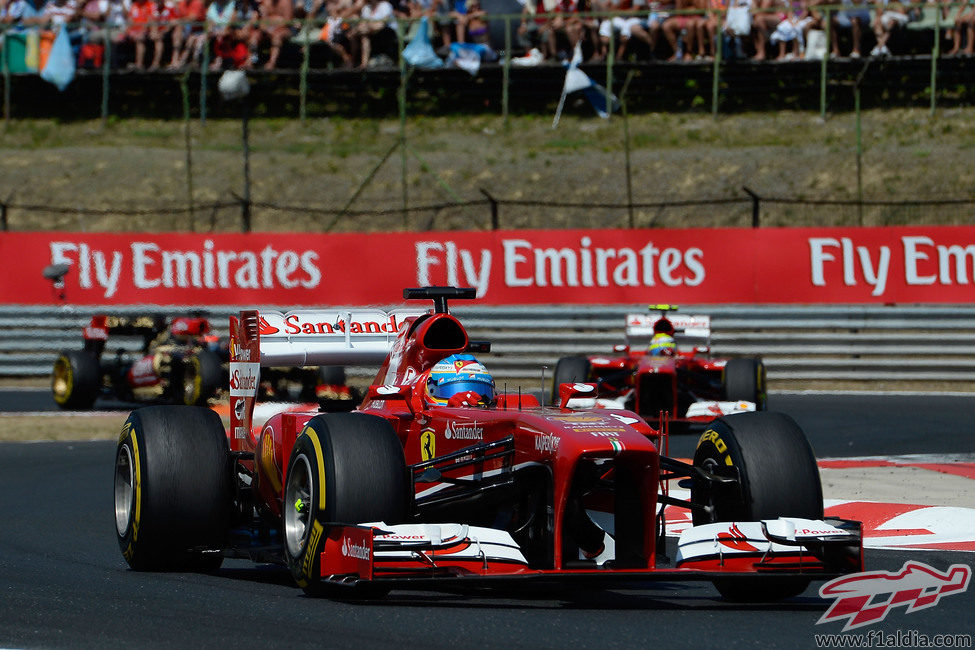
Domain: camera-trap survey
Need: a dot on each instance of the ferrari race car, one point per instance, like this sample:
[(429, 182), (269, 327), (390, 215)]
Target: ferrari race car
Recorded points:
[(435, 480), (666, 368), (179, 362)]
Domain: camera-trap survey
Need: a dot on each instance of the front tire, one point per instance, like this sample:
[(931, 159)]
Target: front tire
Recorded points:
[(173, 491), (744, 380), (570, 370), (75, 379), (345, 468), (778, 476)]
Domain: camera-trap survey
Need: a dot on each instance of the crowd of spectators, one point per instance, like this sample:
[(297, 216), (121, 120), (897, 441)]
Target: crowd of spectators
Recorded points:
[(173, 34)]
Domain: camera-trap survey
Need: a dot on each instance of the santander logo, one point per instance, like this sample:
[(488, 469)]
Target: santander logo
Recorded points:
[(265, 328), (351, 549), (736, 539), (243, 378), (455, 431)]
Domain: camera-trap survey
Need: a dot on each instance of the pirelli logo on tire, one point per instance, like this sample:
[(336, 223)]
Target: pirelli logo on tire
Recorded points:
[(713, 437), (311, 551), (125, 431)]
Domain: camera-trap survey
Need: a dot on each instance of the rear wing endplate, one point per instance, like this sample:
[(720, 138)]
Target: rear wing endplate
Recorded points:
[(311, 337)]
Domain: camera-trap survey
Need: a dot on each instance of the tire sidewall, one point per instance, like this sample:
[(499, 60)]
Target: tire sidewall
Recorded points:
[(718, 448), (305, 565), (128, 538), (181, 487)]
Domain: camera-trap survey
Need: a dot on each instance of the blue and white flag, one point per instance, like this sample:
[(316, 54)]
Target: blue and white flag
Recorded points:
[(603, 101), (59, 69), (419, 53)]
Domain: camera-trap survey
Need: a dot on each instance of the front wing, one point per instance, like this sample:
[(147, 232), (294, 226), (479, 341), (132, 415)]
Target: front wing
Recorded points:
[(428, 555)]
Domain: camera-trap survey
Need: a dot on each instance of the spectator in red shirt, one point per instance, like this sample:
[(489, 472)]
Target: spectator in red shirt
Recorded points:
[(142, 18), (188, 34), (167, 15)]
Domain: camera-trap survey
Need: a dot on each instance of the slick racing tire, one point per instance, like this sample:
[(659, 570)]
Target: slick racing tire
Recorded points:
[(345, 468), (778, 476), (567, 371), (75, 379), (201, 377), (173, 491), (744, 380)]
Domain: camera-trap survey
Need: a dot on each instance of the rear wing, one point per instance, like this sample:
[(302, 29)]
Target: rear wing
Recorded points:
[(689, 331), (302, 338)]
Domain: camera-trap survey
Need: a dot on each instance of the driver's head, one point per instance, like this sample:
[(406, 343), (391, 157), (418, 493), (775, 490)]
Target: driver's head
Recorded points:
[(662, 345), (458, 373), (663, 326)]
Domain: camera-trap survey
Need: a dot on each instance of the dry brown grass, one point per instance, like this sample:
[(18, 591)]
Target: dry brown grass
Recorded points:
[(60, 427), (138, 164)]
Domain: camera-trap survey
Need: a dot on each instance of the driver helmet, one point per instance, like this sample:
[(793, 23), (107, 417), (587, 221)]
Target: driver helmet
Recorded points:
[(663, 326), (662, 345), (458, 373)]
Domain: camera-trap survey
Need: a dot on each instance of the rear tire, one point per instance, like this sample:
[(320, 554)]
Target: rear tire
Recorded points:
[(778, 477), (75, 379), (345, 468), (201, 377), (744, 380), (569, 370), (173, 491)]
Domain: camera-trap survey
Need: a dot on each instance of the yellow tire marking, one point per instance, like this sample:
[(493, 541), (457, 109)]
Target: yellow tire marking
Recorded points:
[(321, 465), (130, 549)]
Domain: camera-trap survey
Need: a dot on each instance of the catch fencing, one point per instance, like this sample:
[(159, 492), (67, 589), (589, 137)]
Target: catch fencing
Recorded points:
[(864, 346)]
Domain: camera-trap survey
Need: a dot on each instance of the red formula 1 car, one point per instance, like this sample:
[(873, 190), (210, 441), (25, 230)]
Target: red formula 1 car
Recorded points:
[(666, 367), (436, 480), (179, 362)]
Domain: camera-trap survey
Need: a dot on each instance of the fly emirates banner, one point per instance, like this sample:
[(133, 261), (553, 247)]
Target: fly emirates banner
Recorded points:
[(706, 266)]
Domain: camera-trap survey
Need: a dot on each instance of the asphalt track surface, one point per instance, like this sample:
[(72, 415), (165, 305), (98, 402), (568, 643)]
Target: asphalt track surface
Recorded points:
[(64, 584)]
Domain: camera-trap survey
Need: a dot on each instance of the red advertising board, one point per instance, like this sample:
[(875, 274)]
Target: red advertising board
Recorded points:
[(926, 264)]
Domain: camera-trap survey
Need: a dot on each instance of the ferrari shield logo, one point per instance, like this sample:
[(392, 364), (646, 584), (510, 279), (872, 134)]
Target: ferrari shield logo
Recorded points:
[(428, 445)]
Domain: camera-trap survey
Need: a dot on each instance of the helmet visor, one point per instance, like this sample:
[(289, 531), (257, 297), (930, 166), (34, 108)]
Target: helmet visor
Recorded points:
[(447, 390)]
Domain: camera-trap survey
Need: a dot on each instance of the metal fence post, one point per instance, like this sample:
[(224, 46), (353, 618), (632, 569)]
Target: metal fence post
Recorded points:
[(6, 85), (610, 59), (494, 208), (204, 66), (506, 70), (935, 53), (718, 43), (401, 99), (246, 203), (106, 72), (303, 84), (823, 71), (756, 206)]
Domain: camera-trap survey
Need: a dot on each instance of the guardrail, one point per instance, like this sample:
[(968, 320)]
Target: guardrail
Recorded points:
[(807, 346)]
